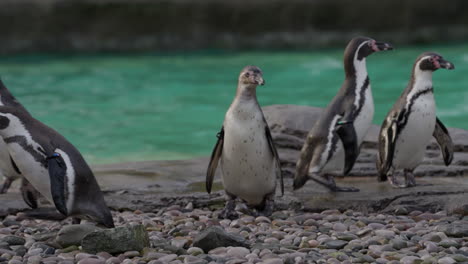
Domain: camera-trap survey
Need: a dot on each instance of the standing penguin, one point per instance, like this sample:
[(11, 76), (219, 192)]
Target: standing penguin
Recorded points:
[(249, 160), (334, 141), (53, 166), (8, 168), (411, 123)]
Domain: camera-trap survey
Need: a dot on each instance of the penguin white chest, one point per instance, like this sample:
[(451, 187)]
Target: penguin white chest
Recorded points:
[(31, 169), (416, 134), (6, 167), (361, 124), (364, 118), (247, 163)]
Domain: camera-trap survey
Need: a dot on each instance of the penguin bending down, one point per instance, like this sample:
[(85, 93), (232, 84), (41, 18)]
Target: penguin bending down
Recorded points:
[(333, 143), (53, 166), (8, 168), (245, 148), (411, 123)]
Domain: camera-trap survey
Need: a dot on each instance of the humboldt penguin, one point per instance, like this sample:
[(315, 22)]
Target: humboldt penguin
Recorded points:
[(333, 142), (245, 149), (8, 168), (53, 166), (412, 122)]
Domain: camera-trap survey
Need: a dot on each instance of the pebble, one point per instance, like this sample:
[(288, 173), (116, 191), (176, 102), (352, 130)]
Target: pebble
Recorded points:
[(238, 252)]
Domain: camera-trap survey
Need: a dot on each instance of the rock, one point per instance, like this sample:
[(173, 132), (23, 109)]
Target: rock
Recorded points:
[(194, 251), (409, 260), (215, 237), (131, 254), (194, 260), (91, 261), (388, 234), (446, 260), (116, 240), (73, 234), (335, 244), (455, 230), (14, 240), (238, 252), (168, 258), (399, 244)]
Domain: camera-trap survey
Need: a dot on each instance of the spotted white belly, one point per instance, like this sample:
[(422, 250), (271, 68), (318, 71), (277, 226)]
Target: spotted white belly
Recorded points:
[(32, 170), (248, 167), (416, 135), (362, 124), (6, 168)]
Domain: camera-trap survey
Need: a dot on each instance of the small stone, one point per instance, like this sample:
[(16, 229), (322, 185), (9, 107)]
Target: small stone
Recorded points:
[(168, 258), (195, 251), (179, 242), (73, 234), (401, 211), (215, 237), (34, 260), (446, 260), (408, 260), (335, 244), (238, 252), (81, 256), (194, 260), (388, 234), (131, 254), (339, 227), (273, 261), (262, 219), (14, 240), (91, 261), (113, 260), (399, 244), (447, 243)]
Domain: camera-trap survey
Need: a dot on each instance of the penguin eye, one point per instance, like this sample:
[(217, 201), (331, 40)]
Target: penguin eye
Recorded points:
[(247, 74)]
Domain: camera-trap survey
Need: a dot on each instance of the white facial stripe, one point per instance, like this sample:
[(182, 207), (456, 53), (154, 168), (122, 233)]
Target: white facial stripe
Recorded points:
[(422, 80), (331, 129), (70, 178), (361, 73)]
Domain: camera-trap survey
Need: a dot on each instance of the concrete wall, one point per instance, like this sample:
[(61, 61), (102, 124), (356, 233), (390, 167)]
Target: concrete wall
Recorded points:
[(140, 25)]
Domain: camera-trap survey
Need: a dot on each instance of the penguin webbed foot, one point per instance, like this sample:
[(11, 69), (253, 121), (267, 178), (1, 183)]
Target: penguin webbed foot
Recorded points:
[(268, 207), (331, 185), (229, 211)]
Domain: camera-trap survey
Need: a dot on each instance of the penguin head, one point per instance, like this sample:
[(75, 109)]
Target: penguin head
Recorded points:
[(251, 76), (364, 46), (431, 61)]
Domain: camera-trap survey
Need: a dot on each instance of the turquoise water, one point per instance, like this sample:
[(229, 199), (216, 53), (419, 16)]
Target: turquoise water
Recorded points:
[(130, 107)]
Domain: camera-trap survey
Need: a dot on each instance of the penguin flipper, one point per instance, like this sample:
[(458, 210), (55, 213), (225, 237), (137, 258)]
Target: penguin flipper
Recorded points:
[(57, 174), (348, 137), (29, 193), (215, 156), (444, 140), (387, 141), (273, 150)]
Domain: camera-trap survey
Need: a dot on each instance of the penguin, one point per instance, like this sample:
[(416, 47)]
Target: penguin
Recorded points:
[(8, 167), (333, 142), (53, 166), (411, 123), (246, 152)]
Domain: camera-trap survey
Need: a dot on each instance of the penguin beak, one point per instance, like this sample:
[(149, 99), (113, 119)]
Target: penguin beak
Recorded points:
[(381, 46), (259, 80), (446, 64)]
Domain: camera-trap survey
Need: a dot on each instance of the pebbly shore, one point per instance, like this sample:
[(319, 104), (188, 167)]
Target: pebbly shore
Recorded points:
[(186, 235)]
